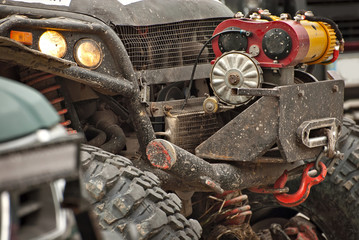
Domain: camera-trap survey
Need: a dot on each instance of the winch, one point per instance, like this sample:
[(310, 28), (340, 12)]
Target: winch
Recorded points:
[(245, 48), (279, 42)]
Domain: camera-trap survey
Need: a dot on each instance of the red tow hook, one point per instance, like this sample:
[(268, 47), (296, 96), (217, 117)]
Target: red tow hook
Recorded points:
[(291, 200)]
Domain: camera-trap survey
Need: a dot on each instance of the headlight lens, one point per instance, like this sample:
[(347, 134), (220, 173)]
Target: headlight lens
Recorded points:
[(53, 43), (88, 53)]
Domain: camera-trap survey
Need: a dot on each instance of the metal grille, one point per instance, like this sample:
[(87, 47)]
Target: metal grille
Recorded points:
[(194, 128), (37, 213), (168, 45)]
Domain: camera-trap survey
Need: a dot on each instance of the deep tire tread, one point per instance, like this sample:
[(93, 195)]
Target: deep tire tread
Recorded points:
[(332, 205), (126, 199), (345, 173)]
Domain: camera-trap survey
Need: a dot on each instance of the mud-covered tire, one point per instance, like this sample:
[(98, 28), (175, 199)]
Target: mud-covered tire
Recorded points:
[(333, 205), (128, 201)]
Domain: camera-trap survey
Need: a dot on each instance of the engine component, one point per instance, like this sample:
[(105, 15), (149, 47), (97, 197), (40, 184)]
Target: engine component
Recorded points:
[(232, 41), (107, 121), (235, 70), (46, 84), (188, 130), (270, 45), (281, 42), (210, 105)]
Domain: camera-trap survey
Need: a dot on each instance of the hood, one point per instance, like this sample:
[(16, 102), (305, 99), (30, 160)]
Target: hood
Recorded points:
[(134, 12)]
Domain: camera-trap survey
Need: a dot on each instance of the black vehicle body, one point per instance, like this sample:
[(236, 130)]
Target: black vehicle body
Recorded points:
[(119, 76)]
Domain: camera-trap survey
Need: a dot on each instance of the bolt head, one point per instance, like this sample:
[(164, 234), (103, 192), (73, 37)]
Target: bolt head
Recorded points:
[(210, 106), (335, 88), (234, 79)]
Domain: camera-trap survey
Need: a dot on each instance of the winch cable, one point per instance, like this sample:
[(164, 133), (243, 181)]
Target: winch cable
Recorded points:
[(188, 92)]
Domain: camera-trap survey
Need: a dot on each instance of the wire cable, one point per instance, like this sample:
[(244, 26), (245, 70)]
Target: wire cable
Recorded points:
[(188, 92)]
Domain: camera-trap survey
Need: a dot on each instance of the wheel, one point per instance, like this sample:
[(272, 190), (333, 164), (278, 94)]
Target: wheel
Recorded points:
[(332, 206), (129, 202)]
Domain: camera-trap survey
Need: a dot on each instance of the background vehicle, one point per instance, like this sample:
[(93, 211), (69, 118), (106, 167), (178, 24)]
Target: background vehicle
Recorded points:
[(36, 156), (137, 85)]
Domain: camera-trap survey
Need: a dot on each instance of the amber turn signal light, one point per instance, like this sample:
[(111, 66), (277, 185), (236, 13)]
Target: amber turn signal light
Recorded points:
[(21, 37)]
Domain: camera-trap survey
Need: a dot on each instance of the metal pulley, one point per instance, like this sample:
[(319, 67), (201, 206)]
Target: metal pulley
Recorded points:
[(235, 70)]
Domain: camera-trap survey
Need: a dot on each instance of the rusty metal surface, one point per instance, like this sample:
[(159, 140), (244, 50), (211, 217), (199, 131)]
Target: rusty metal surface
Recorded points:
[(205, 176), (256, 92), (273, 120), (247, 136), (303, 102)]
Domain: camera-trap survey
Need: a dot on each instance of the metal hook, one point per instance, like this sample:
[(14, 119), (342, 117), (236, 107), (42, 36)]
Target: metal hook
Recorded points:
[(291, 200)]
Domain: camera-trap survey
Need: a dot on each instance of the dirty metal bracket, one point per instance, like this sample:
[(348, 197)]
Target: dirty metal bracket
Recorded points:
[(300, 103), (276, 118), (247, 136), (256, 92)]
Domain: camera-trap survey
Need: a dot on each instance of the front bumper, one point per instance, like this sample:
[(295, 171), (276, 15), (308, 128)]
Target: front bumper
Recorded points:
[(276, 119)]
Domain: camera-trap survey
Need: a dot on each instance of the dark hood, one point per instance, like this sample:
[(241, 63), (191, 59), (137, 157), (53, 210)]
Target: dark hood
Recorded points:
[(134, 12)]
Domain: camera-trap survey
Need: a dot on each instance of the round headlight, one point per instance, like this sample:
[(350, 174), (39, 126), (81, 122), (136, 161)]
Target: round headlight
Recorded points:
[(53, 43), (88, 53)]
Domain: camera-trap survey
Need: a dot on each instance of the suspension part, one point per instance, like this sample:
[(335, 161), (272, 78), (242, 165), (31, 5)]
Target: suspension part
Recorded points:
[(301, 229), (46, 84), (234, 209), (228, 216), (217, 177)]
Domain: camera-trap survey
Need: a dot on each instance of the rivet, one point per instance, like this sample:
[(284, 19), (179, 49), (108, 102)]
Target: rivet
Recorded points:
[(301, 93)]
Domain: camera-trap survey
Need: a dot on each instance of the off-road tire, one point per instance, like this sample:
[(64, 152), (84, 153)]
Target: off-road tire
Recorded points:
[(128, 201), (333, 205)]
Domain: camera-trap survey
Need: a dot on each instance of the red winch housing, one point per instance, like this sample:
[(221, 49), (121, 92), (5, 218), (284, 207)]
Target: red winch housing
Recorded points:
[(278, 43)]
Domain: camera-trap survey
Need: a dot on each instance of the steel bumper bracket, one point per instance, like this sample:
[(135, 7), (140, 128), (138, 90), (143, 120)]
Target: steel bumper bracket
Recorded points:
[(277, 120)]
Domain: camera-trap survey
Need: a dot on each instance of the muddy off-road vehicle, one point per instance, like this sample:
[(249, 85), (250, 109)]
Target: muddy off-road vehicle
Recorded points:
[(195, 118)]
